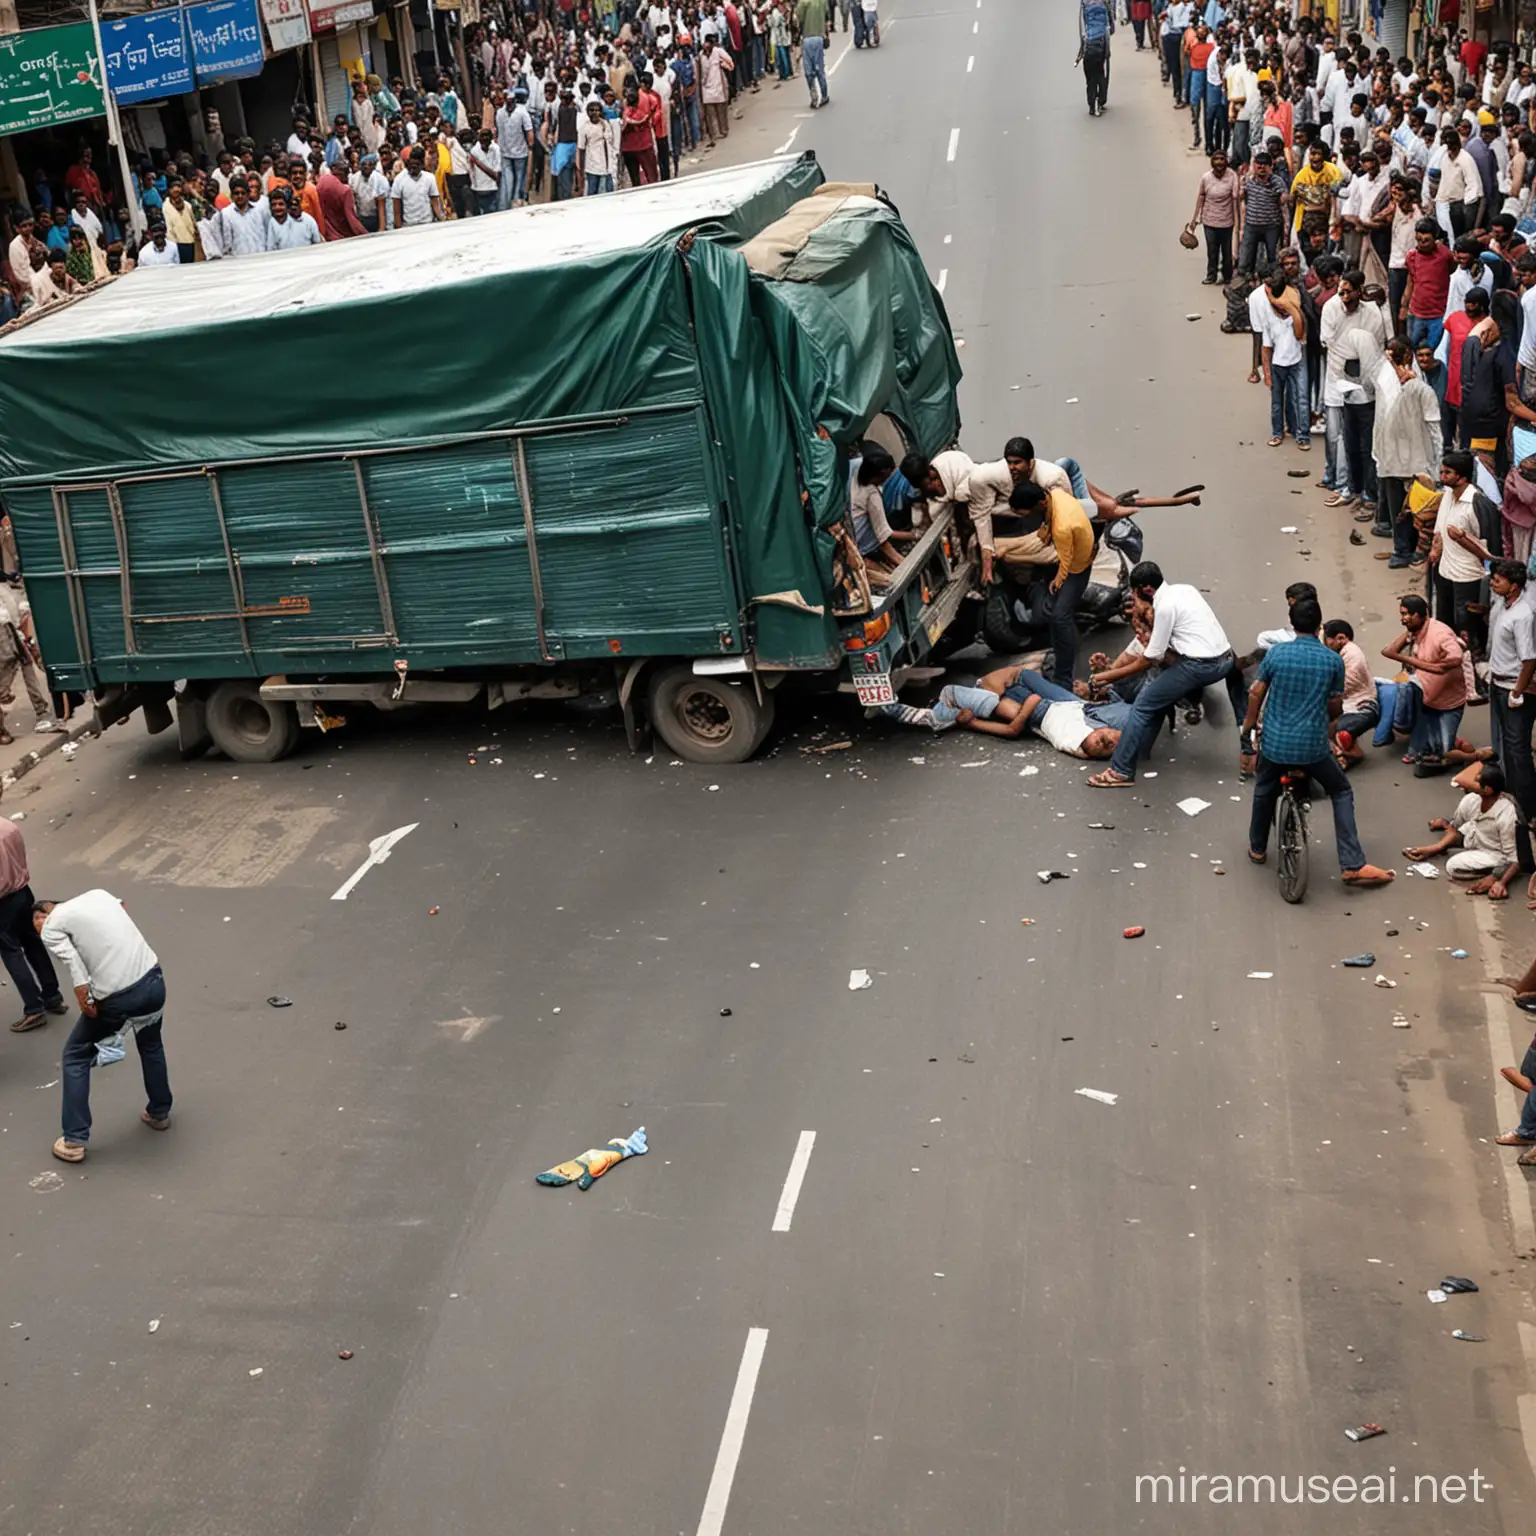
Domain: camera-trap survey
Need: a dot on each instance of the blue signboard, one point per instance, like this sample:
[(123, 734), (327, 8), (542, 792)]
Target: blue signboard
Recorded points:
[(226, 40), (147, 56)]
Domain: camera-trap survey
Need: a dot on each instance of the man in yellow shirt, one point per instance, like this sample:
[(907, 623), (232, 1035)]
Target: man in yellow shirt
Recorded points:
[(1315, 193), (1065, 523)]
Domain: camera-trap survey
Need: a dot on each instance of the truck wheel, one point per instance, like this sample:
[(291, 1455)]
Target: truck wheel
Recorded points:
[(708, 719), (247, 728), (1000, 628)]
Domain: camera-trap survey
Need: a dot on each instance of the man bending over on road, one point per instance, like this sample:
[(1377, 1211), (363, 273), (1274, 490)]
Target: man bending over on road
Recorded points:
[(119, 985), (1014, 700), (1184, 627), (1300, 689), (1482, 829)]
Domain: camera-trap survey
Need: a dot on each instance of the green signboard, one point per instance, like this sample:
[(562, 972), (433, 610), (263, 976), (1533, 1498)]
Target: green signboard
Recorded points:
[(49, 75)]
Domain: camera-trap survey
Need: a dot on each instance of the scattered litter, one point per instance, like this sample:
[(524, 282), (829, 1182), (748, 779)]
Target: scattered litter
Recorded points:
[(1133, 933), (1045, 876), (18, 815), (1365, 1432), (1456, 1285), (1138, 866), (340, 1025), (69, 749), (1072, 400), (1382, 981), (1027, 922), (1101, 826), (1428, 871), (858, 980), (278, 1001), (45, 1182), (432, 911), (980, 762), (831, 746), (1298, 474), (1194, 805), (343, 1354), (1392, 933), (1458, 954), (1400, 1021), (1028, 772), (725, 1013), (1098, 1095), (1360, 962), (595, 1162), (1191, 317), (1067, 1039), (1469, 1338), (1437, 1296), (714, 789), (256, 1371), (154, 1325), (1289, 528), (1260, 975), (1149, 775)]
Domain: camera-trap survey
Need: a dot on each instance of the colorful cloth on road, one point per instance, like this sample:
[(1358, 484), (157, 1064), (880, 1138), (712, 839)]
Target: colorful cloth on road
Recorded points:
[(596, 1161)]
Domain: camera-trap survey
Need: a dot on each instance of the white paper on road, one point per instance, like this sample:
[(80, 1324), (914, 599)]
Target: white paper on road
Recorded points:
[(1098, 1095), (858, 980), (378, 852), (1194, 805), (1428, 871), (1438, 1295), (1260, 975)]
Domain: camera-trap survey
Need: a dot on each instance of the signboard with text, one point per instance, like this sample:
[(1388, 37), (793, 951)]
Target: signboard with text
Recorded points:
[(49, 75), (147, 56), (327, 18), (287, 23), (226, 40)]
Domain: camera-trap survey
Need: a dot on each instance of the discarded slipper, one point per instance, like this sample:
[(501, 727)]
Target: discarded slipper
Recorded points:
[(1455, 1284), (1360, 962)]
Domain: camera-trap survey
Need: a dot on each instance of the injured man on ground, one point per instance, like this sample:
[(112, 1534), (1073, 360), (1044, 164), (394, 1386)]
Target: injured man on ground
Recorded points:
[(1014, 700)]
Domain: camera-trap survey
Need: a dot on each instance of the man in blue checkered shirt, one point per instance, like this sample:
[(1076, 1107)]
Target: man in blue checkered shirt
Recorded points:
[(1300, 688)]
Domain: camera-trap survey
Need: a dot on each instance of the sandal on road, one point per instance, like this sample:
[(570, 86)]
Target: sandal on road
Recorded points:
[(1109, 779), (1514, 1139), (1257, 858)]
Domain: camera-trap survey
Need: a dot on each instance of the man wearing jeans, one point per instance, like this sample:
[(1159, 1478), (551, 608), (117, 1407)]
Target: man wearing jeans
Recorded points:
[(1300, 688), (1182, 622), (1434, 653), (813, 48), (1261, 215), (1066, 526), (20, 948), (1277, 320), (119, 986)]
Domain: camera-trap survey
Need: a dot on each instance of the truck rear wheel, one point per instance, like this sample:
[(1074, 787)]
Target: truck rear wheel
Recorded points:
[(247, 728), (708, 719)]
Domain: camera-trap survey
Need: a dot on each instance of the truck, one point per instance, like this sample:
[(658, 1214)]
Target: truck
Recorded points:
[(596, 446)]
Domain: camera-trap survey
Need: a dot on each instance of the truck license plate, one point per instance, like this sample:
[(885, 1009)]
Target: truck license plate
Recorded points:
[(874, 689)]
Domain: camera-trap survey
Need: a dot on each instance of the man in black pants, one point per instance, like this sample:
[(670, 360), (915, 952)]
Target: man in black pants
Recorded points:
[(20, 948), (1095, 24)]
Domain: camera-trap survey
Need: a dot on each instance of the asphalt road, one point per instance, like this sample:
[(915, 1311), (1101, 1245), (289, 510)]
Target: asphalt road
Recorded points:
[(997, 1302)]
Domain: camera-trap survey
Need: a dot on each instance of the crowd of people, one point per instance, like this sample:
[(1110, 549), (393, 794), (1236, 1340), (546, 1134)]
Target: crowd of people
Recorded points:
[(561, 102)]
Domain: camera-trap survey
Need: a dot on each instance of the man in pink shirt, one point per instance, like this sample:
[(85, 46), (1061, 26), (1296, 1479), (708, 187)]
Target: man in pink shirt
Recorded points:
[(1433, 653), (1362, 709)]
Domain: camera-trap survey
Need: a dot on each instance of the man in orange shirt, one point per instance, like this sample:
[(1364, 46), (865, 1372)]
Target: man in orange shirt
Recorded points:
[(1200, 51)]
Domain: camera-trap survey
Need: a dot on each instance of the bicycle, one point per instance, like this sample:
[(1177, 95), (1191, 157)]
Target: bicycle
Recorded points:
[(1291, 834)]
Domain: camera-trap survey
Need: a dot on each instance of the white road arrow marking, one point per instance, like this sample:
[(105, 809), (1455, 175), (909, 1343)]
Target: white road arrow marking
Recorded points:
[(378, 851)]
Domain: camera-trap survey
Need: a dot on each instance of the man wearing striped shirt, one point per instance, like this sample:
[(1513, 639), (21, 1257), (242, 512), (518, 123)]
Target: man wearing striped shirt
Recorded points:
[(1260, 215)]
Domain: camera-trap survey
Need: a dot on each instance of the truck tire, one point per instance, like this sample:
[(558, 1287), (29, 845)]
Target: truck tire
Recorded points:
[(247, 728), (708, 719)]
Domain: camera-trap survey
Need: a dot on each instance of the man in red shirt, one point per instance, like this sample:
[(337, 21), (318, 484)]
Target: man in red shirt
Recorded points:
[(1429, 285), (1457, 328), (338, 213), (81, 178), (637, 140), (1472, 55)]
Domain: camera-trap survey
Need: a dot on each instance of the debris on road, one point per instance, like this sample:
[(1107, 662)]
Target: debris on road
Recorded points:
[(1026, 922), (1437, 1296), (1260, 975), (279, 1001), (340, 1024), (256, 1371), (154, 1325), (1360, 961), (1194, 805), (433, 911), (858, 980), (1428, 871), (1133, 933), (1028, 771), (1468, 1338), (1400, 1021), (1298, 474), (831, 746), (1458, 954), (1045, 876), (1289, 528), (725, 1013), (343, 1354), (1101, 826), (18, 815), (1098, 1095), (1457, 1285), (1383, 981), (1364, 1432), (44, 1183), (594, 1162)]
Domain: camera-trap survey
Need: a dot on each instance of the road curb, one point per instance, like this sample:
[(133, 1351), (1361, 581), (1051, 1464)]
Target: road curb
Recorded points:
[(51, 744)]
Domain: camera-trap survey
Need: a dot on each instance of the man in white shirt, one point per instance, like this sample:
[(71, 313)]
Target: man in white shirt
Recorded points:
[(242, 227), (158, 251), (298, 140), (485, 172), (86, 217), (414, 194), (1176, 20), (119, 985), (514, 138), (1482, 829), (289, 226), (370, 193), (1183, 626), (1344, 311), (1281, 333), (597, 151)]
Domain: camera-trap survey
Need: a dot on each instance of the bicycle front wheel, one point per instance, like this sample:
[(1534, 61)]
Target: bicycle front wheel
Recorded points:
[(1291, 830)]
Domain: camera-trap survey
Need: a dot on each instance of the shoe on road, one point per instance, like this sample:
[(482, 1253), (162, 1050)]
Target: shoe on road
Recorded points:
[(162, 1123), (1508, 1139), (69, 1151)]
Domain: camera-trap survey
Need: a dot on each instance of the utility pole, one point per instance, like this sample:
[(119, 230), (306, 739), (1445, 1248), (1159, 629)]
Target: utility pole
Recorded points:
[(115, 133)]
